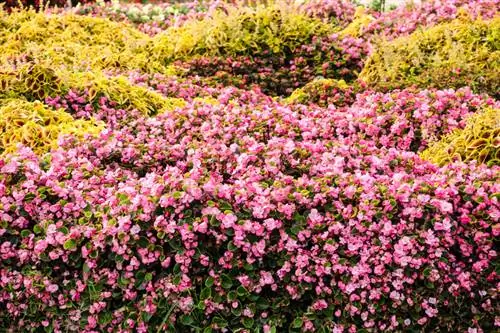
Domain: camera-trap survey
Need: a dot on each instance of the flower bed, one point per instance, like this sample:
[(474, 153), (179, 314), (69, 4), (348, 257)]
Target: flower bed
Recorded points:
[(240, 180)]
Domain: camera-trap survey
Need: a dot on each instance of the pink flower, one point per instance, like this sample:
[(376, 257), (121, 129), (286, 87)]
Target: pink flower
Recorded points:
[(320, 305), (52, 288)]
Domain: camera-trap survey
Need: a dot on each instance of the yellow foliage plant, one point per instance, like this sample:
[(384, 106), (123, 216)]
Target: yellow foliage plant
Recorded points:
[(273, 28), (37, 126), (36, 81), (450, 55), (479, 140)]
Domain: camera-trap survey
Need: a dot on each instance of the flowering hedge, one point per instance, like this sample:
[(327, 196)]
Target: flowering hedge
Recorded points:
[(246, 215), (182, 205), (330, 56)]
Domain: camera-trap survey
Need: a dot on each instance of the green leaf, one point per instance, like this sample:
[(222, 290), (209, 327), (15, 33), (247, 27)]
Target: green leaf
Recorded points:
[(225, 206), (123, 198), (209, 282), (70, 244), (123, 281), (37, 229), (25, 233), (296, 229), (232, 295), (220, 322), (226, 281), (148, 277), (177, 195), (248, 322), (186, 320), (297, 323), (242, 291), (143, 242), (205, 293), (105, 318), (231, 247), (29, 197), (140, 275), (262, 303)]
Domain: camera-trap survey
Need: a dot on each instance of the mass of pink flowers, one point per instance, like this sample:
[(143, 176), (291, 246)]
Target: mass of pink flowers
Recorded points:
[(240, 212), (249, 213)]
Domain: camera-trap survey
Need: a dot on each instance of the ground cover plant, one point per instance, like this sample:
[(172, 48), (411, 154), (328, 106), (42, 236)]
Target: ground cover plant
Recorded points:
[(222, 166)]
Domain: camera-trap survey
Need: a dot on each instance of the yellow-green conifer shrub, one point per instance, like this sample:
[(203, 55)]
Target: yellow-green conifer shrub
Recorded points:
[(479, 140), (450, 55), (35, 125), (274, 28)]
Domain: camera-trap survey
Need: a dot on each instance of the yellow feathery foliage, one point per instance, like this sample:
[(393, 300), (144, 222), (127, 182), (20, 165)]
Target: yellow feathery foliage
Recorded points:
[(450, 55), (276, 28), (479, 140), (37, 126)]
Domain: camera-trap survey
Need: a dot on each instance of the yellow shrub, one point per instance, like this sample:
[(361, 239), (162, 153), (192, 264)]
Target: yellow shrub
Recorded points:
[(240, 30), (72, 41), (127, 95), (451, 55), (480, 140), (37, 126), (37, 81)]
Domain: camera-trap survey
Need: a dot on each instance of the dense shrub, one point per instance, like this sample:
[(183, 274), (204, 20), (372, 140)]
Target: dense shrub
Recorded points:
[(330, 57), (455, 54), (151, 18), (37, 126), (38, 81), (277, 29), (171, 203), (479, 140), (10, 4), (74, 42), (408, 120), (245, 215), (339, 12), (406, 19)]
